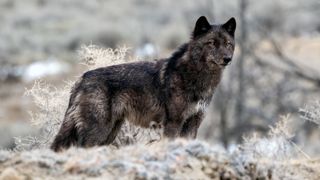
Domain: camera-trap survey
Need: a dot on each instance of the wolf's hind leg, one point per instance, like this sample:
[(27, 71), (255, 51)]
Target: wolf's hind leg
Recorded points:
[(97, 123)]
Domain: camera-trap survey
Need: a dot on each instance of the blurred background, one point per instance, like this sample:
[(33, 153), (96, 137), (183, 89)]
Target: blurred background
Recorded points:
[(275, 70)]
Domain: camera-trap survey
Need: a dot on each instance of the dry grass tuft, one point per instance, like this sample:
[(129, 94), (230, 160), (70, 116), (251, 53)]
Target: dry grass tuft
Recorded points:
[(275, 156)]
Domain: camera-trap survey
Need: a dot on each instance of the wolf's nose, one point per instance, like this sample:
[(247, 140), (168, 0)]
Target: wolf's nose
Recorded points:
[(226, 60)]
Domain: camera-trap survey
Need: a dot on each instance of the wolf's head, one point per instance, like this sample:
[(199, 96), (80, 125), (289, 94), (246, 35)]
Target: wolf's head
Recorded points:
[(213, 44)]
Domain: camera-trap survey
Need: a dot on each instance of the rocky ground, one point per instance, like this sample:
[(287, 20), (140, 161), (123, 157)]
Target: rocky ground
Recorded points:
[(178, 159)]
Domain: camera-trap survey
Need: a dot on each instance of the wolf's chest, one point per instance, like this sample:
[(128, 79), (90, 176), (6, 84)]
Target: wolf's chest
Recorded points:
[(194, 108), (200, 104)]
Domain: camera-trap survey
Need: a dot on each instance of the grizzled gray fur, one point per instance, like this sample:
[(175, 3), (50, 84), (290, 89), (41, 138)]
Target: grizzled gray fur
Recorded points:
[(172, 93)]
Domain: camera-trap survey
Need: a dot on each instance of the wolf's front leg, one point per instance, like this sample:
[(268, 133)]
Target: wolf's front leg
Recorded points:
[(172, 127), (191, 125), (174, 116)]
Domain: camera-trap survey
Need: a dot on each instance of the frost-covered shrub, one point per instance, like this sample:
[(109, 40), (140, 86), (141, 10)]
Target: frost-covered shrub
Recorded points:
[(311, 112), (260, 156)]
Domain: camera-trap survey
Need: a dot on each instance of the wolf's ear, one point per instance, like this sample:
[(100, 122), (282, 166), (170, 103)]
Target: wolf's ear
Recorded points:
[(202, 26), (230, 26)]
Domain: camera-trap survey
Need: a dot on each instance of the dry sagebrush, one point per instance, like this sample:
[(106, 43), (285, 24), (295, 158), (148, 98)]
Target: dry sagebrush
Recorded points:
[(51, 103)]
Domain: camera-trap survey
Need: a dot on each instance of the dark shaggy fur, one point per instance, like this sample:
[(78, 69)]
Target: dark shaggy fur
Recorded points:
[(171, 93)]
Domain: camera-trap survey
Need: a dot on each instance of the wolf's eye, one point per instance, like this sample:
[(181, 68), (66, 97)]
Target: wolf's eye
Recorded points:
[(209, 42), (229, 44)]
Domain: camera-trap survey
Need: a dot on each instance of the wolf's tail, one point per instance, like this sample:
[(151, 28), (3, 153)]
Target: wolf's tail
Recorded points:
[(66, 136)]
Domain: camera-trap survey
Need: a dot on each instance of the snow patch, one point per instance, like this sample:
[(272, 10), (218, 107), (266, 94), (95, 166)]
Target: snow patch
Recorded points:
[(41, 69)]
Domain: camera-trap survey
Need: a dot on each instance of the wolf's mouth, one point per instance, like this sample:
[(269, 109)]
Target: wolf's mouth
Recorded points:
[(226, 64)]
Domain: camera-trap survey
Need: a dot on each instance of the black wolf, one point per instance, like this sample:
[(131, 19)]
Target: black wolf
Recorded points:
[(171, 92)]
